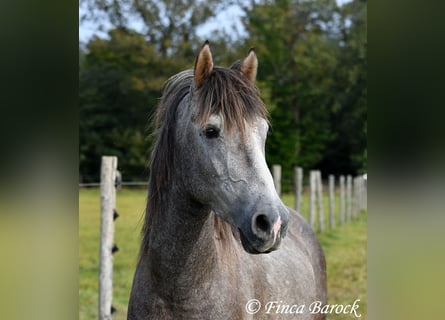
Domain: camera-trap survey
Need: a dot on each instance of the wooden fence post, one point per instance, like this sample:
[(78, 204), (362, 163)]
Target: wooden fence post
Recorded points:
[(320, 202), (342, 199), (108, 204), (312, 188), (356, 197), (331, 201), (298, 178), (276, 172), (357, 206), (360, 193), (365, 193), (348, 197)]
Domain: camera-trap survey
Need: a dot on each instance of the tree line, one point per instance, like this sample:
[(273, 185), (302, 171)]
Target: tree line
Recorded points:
[(312, 75)]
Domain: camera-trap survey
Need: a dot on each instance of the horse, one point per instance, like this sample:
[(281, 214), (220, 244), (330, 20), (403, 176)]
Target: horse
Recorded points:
[(217, 241)]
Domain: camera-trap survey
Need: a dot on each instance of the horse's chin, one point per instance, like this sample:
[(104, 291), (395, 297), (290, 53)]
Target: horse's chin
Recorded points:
[(250, 248)]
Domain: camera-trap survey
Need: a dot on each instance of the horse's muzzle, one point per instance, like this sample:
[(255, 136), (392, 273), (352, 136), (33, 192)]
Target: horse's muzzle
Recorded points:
[(264, 233)]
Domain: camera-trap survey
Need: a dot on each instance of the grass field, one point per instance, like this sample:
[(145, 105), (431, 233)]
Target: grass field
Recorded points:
[(345, 250)]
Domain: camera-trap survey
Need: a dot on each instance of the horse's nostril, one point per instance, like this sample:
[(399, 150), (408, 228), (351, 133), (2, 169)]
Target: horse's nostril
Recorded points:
[(262, 223)]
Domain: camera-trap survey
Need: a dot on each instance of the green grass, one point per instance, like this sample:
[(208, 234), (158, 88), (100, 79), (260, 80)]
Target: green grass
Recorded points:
[(345, 250), (130, 206)]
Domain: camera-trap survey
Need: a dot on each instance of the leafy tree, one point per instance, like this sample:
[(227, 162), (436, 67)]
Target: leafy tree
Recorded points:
[(120, 82), (121, 77), (312, 75), (170, 25), (347, 153), (298, 55)]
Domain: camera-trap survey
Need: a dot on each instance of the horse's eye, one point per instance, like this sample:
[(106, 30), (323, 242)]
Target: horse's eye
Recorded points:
[(211, 132)]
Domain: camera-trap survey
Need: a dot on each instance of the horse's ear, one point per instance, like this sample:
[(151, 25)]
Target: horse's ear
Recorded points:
[(203, 64), (249, 65)]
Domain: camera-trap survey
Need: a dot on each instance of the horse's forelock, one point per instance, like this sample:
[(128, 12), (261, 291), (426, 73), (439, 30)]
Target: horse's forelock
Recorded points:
[(228, 93)]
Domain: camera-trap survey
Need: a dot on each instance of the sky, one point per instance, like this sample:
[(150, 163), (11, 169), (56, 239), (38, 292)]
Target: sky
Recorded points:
[(225, 19)]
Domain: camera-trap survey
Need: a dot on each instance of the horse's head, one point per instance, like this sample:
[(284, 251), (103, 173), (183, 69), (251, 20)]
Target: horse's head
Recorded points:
[(220, 134)]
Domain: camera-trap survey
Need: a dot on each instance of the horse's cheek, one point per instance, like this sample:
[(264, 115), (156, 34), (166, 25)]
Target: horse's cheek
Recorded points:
[(191, 166), (218, 165)]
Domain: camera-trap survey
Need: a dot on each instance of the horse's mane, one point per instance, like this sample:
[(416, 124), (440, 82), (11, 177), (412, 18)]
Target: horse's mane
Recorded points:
[(226, 92)]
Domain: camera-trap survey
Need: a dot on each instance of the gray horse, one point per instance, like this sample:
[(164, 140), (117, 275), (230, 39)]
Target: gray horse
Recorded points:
[(218, 243)]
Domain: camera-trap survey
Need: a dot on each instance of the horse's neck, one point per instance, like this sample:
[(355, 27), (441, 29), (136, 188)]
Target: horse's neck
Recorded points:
[(182, 254)]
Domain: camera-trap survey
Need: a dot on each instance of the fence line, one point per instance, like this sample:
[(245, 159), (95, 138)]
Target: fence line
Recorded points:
[(352, 197), (353, 193), (123, 183)]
